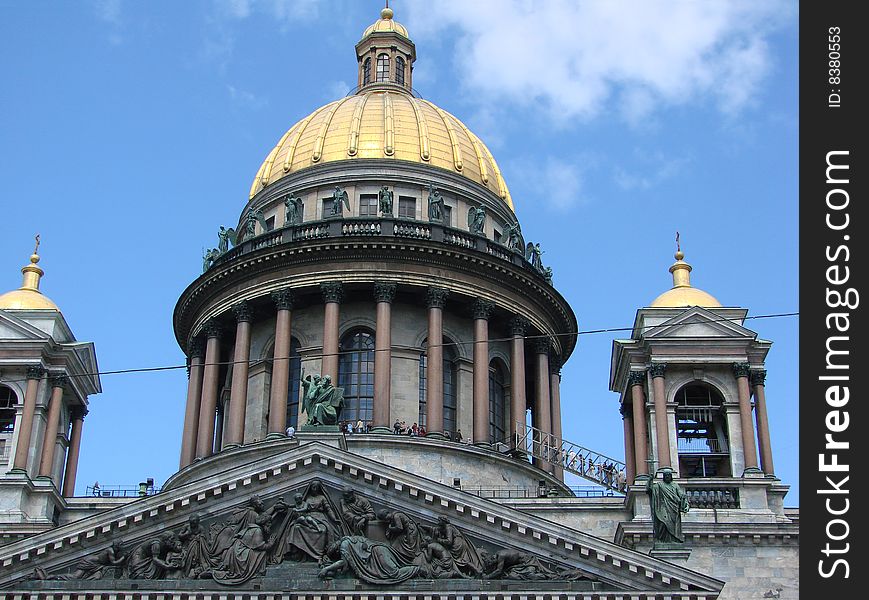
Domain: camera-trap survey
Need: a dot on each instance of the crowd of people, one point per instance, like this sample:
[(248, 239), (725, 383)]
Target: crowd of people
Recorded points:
[(606, 472)]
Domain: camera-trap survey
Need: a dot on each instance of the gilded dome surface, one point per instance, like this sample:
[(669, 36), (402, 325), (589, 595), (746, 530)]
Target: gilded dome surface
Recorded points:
[(386, 24), (28, 296), (382, 124), (682, 293)]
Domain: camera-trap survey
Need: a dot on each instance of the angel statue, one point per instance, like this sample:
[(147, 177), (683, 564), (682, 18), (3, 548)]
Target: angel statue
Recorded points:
[(435, 204), (513, 237), (225, 237), (208, 258), (476, 219), (533, 254), (385, 201), (292, 210), (250, 220), (339, 200)]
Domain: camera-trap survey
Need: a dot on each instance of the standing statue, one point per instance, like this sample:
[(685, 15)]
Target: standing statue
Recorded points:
[(533, 254), (668, 502), (435, 204), (513, 237), (292, 210), (339, 201), (225, 237), (321, 400), (477, 219), (211, 255), (356, 511), (250, 220), (385, 201)]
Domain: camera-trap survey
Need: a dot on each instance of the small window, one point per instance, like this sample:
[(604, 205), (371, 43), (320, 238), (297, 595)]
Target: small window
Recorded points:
[(383, 67), (366, 71), (406, 207), (447, 212), (7, 409), (399, 71), (368, 205), (497, 236), (270, 223), (327, 207)]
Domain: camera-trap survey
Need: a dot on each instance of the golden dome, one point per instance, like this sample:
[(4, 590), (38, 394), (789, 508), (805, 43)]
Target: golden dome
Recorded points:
[(386, 24), (382, 124), (28, 296), (682, 294)]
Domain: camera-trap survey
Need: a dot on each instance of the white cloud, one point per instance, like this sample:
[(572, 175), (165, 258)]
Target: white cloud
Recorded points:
[(283, 12), (108, 10), (653, 169), (336, 90), (557, 183), (245, 98), (578, 59)]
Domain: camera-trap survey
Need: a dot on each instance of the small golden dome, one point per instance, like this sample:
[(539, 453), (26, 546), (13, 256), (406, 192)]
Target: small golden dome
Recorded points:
[(386, 24), (28, 296), (682, 294), (382, 124)]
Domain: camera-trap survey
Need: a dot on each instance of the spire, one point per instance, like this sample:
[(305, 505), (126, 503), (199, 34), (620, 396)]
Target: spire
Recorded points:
[(680, 269), (682, 293), (31, 272), (28, 296)]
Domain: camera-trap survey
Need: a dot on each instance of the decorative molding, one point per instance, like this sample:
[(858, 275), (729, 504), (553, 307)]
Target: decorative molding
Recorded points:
[(333, 291), (243, 312), (518, 325), (758, 377), (212, 329), (59, 380), (384, 292), (636, 378), (658, 369), (482, 309), (436, 297), (283, 299), (542, 345), (196, 348), (35, 372), (741, 369)]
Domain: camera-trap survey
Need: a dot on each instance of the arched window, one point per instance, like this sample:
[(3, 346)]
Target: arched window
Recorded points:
[(366, 71), (356, 375), (399, 70), (497, 403), (8, 399), (450, 387), (295, 379), (383, 67), (701, 432)]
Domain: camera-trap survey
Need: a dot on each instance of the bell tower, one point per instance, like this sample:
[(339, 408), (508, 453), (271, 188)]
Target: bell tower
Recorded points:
[(385, 54)]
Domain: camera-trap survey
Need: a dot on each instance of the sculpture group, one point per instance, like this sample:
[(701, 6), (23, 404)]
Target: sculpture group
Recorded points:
[(344, 538)]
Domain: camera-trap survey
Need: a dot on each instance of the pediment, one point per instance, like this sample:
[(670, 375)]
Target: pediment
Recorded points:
[(699, 323), (547, 555), (13, 328)]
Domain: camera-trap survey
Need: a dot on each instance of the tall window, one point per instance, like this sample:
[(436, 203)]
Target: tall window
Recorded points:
[(450, 386), (399, 70), (447, 212), (497, 403), (7, 409), (295, 380), (383, 67), (366, 71), (701, 432), (368, 205), (407, 207), (356, 375)]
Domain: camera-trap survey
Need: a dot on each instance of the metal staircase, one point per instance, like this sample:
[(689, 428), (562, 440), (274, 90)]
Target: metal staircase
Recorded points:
[(579, 460)]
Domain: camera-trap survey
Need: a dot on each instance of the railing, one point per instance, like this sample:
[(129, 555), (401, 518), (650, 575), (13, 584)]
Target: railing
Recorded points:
[(4, 454), (506, 493), (121, 491), (412, 230), (711, 497), (588, 464), (697, 445), (360, 228)]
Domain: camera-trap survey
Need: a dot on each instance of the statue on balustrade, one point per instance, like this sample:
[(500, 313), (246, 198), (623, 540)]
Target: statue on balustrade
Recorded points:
[(513, 237), (292, 210), (357, 511), (668, 502), (250, 220), (435, 204), (321, 400), (477, 219), (534, 255), (385, 201), (339, 201)]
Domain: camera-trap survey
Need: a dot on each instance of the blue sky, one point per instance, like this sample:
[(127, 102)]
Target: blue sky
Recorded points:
[(130, 131)]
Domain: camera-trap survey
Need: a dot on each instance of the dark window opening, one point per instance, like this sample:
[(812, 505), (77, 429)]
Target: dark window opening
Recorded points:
[(701, 432), (8, 399), (295, 384), (356, 375), (270, 224), (406, 207), (368, 205), (497, 404), (366, 71), (450, 387), (382, 68), (399, 70)]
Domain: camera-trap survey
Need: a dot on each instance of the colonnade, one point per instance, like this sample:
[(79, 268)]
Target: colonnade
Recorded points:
[(636, 427), (204, 364), (46, 452)]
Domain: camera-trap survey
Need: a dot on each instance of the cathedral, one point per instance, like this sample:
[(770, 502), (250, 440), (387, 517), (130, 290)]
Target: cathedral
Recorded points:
[(374, 357)]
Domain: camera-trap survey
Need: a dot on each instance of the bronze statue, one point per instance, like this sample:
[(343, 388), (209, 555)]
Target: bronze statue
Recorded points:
[(339, 200), (307, 536), (92, 567), (225, 237), (435, 204), (370, 561), (668, 502), (148, 560), (292, 210), (356, 511), (513, 564), (513, 237), (403, 533), (321, 400), (477, 219), (436, 562), (463, 551), (211, 255), (247, 555), (533, 254), (250, 220), (385, 201)]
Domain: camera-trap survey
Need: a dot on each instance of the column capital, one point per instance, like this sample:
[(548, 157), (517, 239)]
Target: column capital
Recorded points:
[(333, 291), (196, 349), (384, 292), (482, 309), (436, 297), (518, 325), (542, 345), (35, 372), (79, 413), (59, 380), (212, 329), (658, 369), (758, 377), (740, 369), (555, 364), (283, 299), (636, 377), (243, 312)]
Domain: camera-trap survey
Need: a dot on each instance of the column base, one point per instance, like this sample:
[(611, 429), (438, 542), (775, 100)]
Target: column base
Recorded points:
[(641, 479), (274, 435), (230, 447), (319, 434), (486, 445), (381, 430), (752, 472), (435, 435)]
